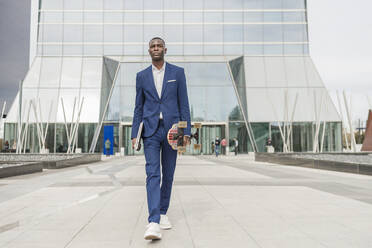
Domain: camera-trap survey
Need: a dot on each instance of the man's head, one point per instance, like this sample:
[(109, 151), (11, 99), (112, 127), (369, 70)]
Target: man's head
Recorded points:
[(157, 49)]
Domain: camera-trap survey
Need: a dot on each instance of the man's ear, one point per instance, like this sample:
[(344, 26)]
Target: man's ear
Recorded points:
[(165, 50)]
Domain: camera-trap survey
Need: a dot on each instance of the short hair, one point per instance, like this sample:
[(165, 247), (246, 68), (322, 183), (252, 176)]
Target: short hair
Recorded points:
[(157, 38)]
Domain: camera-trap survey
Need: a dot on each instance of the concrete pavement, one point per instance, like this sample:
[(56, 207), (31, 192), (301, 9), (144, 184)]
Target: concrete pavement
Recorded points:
[(225, 202)]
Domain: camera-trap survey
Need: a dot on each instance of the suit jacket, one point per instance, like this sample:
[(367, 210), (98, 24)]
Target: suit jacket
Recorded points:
[(173, 104)]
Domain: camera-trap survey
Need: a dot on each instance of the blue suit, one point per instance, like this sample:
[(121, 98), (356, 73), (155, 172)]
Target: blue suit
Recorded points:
[(174, 106)]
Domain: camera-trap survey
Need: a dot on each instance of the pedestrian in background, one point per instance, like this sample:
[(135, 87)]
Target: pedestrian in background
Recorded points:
[(217, 144), (236, 144), (107, 146)]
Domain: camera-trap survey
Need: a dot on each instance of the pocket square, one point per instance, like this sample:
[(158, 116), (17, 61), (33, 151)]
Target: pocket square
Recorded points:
[(172, 80)]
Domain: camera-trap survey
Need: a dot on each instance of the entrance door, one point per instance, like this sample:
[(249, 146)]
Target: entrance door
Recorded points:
[(208, 134)]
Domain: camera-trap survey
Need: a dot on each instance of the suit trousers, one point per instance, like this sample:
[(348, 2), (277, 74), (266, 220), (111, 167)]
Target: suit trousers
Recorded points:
[(158, 197)]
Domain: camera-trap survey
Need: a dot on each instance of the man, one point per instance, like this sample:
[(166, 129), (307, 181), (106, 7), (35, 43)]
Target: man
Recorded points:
[(161, 101), (108, 147), (217, 143), (236, 144)]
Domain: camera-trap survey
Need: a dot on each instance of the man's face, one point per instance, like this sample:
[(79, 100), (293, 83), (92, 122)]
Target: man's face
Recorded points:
[(157, 50)]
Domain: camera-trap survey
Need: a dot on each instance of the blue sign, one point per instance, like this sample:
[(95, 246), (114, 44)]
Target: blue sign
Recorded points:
[(108, 133)]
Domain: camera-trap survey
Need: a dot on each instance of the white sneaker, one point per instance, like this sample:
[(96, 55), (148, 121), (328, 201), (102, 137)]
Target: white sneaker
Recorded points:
[(164, 222), (152, 231)]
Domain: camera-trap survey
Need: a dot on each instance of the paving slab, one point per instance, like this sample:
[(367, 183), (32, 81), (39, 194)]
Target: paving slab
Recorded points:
[(216, 202)]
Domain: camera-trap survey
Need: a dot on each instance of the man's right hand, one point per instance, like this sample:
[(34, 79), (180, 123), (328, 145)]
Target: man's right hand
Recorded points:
[(133, 142)]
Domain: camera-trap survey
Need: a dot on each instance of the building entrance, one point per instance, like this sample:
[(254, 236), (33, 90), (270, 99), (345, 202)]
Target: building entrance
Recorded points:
[(208, 134)]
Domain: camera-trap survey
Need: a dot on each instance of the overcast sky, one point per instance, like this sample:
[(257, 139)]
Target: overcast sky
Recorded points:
[(340, 45)]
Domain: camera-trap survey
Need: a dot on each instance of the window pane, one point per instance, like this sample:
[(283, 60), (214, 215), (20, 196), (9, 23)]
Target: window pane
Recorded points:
[(233, 33), (213, 49), (233, 4), (152, 31), (272, 16), (213, 4), (128, 95), (253, 4), (129, 71), (173, 4), (73, 4), (130, 17), (73, 50), (233, 17), (253, 16), (73, 33), (293, 4), (50, 72), (48, 17), (93, 33), (233, 49), (93, 17), (173, 17), (52, 50), (133, 33), (272, 4), (113, 17), (51, 32), (273, 49), (294, 49), (192, 17), (92, 73), (273, 33), (133, 50), (294, 17), (295, 32), (193, 4), (111, 49), (93, 4), (193, 49), (153, 17), (173, 33), (95, 50), (213, 17), (51, 4), (213, 33), (71, 69), (113, 4), (73, 17), (253, 33), (253, 49), (193, 33), (133, 4), (151, 4), (113, 33), (174, 49)]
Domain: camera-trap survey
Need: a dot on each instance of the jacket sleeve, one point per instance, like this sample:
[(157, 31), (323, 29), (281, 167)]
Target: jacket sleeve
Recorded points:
[(183, 101), (138, 109)]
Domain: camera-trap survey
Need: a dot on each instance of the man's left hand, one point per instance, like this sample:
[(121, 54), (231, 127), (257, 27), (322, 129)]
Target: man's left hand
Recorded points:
[(186, 140)]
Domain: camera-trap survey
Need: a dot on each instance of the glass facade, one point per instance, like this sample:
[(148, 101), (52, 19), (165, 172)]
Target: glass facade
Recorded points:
[(206, 27), (245, 62)]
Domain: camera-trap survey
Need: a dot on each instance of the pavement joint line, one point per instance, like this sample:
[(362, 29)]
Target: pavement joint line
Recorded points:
[(184, 214), (86, 224), (231, 216), (137, 221)]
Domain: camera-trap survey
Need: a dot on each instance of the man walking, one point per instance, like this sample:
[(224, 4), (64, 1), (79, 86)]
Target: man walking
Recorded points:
[(161, 101)]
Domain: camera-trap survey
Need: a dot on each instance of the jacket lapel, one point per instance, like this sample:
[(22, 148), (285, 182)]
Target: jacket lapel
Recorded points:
[(165, 79), (152, 82)]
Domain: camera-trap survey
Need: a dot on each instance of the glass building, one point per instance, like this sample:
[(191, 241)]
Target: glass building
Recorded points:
[(247, 64)]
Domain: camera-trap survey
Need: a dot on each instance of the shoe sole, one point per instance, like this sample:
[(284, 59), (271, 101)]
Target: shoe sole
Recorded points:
[(165, 227), (152, 237)]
